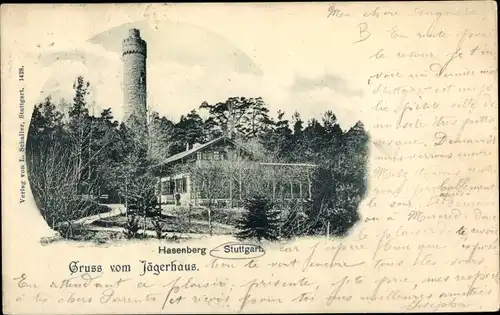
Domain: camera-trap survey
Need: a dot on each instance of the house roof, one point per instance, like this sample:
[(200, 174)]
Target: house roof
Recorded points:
[(193, 150), (289, 164), (181, 155)]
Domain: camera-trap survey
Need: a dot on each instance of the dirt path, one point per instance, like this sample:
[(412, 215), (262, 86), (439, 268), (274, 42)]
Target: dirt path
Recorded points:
[(148, 232), (116, 209)]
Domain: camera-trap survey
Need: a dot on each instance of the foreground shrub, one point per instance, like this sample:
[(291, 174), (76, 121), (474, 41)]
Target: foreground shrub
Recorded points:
[(261, 221), (132, 227)]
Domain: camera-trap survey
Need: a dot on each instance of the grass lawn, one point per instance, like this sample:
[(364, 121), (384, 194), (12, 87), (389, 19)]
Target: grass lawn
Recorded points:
[(171, 224), (224, 216)]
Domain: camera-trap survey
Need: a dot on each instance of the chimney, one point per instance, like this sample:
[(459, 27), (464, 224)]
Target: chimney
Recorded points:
[(187, 146)]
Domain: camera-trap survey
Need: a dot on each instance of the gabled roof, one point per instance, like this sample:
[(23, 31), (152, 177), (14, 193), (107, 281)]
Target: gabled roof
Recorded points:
[(189, 152)]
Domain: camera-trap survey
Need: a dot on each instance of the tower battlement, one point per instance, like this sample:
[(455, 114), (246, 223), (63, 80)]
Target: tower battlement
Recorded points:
[(134, 54), (133, 45)]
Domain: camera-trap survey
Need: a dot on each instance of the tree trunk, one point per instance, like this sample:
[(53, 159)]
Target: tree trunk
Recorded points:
[(126, 197), (230, 193), (210, 219), (195, 191), (90, 154), (189, 217), (78, 169), (274, 188), (240, 182), (159, 194), (310, 186)]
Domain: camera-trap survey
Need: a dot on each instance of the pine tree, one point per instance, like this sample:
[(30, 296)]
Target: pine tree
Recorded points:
[(340, 184), (161, 137), (189, 130), (256, 120), (278, 141), (260, 221)]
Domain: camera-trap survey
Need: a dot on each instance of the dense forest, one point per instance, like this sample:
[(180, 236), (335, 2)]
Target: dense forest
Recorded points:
[(72, 153)]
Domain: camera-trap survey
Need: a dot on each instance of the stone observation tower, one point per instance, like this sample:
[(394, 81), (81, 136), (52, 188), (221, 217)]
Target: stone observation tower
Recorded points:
[(134, 52)]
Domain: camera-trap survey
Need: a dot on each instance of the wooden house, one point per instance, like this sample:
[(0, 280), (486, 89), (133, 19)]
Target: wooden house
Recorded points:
[(223, 171)]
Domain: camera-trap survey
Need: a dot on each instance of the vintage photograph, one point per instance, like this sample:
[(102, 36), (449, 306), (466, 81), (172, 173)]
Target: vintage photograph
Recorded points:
[(250, 158), (231, 167)]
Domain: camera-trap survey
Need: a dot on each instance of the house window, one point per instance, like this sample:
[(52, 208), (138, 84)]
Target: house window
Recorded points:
[(296, 190), (216, 155), (178, 185), (181, 185), (171, 187), (165, 187), (184, 184), (285, 190)]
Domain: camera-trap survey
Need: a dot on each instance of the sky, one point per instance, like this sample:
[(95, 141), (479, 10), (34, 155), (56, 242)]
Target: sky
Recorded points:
[(188, 64)]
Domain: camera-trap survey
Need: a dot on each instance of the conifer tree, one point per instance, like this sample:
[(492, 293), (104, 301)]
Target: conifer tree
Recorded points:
[(260, 222)]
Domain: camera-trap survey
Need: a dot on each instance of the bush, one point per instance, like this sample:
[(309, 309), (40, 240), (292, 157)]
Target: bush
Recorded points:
[(92, 208), (160, 226), (342, 219), (224, 216), (335, 201), (261, 221), (77, 209), (293, 220), (132, 227), (145, 204), (181, 219), (68, 230)]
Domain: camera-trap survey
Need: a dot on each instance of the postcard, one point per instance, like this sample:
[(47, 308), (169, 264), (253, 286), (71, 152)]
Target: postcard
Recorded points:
[(250, 158)]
